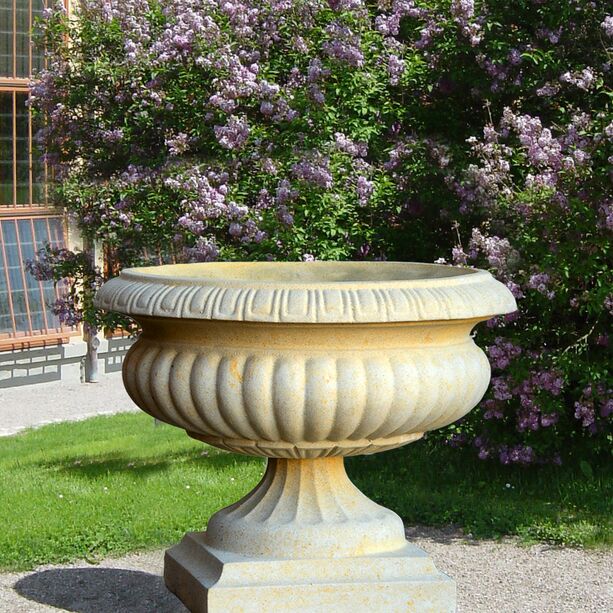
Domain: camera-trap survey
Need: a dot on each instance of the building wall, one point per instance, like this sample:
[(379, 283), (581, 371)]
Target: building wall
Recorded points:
[(27, 220), (63, 362), (34, 346)]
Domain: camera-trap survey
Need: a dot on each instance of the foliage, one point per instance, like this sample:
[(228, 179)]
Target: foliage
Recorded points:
[(111, 485), (474, 132)]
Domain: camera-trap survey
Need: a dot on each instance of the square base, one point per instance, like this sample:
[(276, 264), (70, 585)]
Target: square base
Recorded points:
[(207, 580)]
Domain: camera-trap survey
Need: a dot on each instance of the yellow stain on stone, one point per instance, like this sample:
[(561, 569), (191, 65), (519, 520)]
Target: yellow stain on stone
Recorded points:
[(234, 370)]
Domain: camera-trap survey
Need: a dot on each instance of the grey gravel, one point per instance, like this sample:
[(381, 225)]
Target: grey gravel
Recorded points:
[(492, 577), (504, 577)]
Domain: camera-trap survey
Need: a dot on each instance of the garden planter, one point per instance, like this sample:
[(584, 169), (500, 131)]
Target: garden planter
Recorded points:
[(305, 363)]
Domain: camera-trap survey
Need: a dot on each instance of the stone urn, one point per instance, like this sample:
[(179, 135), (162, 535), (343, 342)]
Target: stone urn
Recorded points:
[(304, 364)]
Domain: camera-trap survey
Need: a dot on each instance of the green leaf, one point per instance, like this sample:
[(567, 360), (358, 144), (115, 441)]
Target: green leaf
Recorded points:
[(586, 469)]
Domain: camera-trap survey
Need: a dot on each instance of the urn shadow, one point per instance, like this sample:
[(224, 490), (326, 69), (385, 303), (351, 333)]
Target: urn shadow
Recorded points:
[(99, 590), (93, 467)]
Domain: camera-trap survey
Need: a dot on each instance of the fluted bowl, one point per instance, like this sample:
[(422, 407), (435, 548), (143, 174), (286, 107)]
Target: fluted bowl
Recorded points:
[(306, 360)]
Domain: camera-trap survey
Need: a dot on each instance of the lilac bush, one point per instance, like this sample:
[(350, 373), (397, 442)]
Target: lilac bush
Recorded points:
[(56, 264), (475, 133), (79, 279)]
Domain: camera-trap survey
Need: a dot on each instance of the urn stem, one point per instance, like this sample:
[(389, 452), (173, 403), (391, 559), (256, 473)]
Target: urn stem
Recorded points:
[(305, 508)]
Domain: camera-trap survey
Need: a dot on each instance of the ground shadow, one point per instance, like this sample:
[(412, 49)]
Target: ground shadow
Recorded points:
[(94, 467), (99, 590)]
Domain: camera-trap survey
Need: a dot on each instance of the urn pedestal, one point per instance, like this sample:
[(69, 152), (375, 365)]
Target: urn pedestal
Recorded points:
[(305, 363)]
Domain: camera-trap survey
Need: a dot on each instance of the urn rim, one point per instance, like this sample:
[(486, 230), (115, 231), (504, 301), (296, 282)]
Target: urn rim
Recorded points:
[(307, 292)]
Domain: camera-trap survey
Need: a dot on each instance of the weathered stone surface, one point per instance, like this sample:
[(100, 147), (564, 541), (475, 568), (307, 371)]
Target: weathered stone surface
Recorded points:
[(306, 509), (305, 363), (206, 580), (279, 390), (313, 292)]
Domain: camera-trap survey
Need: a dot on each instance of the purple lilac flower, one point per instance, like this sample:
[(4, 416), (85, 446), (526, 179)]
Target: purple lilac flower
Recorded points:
[(553, 36), (483, 454), (540, 282), (606, 215), (205, 198), (234, 134), (515, 289), (427, 33), (498, 251), (178, 144), (500, 388), (516, 454), (67, 311), (111, 136), (317, 95), (41, 268), (606, 408), (314, 170), (514, 57), (549, 419), (345, 144), (493, 409), (284, 215), (459, 257), (528, 419), (316, 71), (548, 380), (285, 192), (502, 352), (364, 189), (463, 9), (343, 45), (395, 68), (457, 439), (488, 182), (584, 412), (205, 250), (548, 90), (345, 5), (463, 12), (541, 147), (583, 79)]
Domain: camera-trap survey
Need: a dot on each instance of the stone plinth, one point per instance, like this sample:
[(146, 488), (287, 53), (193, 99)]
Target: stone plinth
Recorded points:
[(206, 580)]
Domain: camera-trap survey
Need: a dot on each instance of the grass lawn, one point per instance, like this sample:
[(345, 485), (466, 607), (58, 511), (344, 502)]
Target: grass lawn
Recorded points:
[(561, 505), (110, 485)]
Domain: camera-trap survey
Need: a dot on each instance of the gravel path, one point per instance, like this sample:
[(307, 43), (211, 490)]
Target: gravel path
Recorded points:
[(44, 403), (492, 577)]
